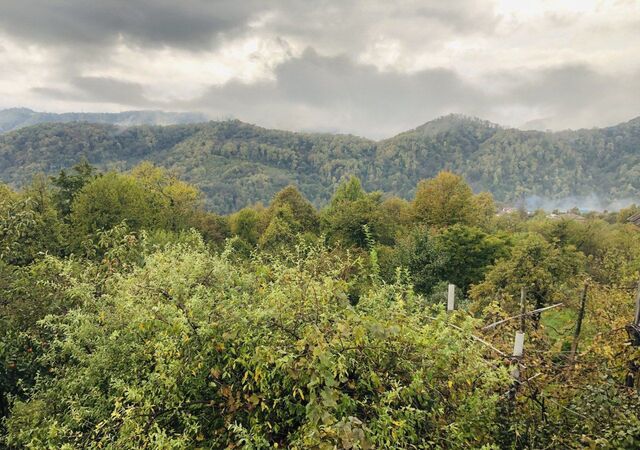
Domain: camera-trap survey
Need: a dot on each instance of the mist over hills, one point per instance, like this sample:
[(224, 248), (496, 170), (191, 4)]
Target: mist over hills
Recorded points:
[(236, 163), (16, 118)]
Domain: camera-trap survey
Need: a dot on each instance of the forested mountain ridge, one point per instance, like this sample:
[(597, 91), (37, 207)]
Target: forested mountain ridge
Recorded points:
[(236, 164), (15, 118)]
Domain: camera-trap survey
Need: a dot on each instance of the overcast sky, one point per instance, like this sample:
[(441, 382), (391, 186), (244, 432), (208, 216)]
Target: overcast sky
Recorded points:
[(369, 67)]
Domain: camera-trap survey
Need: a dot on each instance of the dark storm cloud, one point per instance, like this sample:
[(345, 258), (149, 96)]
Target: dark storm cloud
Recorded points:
[(195, 24), (190, 24)]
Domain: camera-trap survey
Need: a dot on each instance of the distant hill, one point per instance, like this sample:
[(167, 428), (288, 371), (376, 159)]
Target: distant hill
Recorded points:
[(236, 164), (15, 118)]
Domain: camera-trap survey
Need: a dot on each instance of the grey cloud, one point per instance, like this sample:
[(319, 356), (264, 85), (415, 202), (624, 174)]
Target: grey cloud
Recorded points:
[(325, 88), (99, 89), (337, 26), (317, 92), (565, 87), (196, 24), (185, 23), (314, 92), (577, 96), (463, 16), (111, 90)]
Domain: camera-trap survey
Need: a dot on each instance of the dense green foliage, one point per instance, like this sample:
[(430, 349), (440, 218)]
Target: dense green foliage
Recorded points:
[(131, 317), (236, 164)]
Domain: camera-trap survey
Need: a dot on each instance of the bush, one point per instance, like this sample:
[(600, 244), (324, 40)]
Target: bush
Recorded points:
[(192, 350)]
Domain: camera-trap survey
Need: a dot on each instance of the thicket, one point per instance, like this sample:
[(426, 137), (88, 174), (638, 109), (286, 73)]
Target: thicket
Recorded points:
[(131, 317)]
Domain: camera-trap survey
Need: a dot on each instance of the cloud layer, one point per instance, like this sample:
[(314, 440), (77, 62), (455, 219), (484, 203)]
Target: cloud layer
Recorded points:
[(369, 67)]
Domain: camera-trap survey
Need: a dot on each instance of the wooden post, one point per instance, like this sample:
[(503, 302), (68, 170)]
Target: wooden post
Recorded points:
[(523, 308), (637, 316), (633, 330), (451, 297), (518, 343), (576, 333)]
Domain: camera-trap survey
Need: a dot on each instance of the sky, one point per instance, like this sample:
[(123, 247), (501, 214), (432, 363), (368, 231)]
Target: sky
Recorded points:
[(368, 67)]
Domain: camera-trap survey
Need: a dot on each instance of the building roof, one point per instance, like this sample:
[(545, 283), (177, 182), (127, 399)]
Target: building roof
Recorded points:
[(635, 219)]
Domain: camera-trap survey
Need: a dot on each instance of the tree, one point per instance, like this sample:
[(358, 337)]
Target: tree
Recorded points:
[(444, 200), (29, 294), (176, 200), (420, 254), (110, 199), (29, 225), (543, 269), (469, 253), (246, 225), (69, 185), (213, 227), (397, 211), (348, 191), (6, 193), (350, 209), (302, 211), (484, 209), (279, 233)]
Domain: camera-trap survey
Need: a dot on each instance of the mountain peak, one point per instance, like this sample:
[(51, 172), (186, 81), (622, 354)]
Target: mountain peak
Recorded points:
[(451, 122), (16, 110)]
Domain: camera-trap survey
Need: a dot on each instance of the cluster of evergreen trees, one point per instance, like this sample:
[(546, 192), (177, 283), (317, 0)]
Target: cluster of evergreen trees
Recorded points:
[(131, 317), (235, 164)]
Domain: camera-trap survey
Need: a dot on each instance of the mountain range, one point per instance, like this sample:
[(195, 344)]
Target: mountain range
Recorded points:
[(15, 118), (236, 164)]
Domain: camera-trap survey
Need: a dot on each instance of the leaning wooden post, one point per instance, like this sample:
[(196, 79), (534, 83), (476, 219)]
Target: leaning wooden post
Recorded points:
[(633, 330), (637, 316), (451, 297), (576, 333)]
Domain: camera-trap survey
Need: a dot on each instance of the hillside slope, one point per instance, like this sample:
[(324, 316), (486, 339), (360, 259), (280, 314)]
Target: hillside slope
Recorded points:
[(235, 163)]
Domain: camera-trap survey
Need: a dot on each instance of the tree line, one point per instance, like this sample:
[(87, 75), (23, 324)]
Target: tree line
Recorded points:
[(236, 164)]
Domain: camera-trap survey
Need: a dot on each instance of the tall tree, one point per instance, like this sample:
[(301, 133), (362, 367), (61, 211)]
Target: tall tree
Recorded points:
[(444, 200), (68, 185), (301, 209), (350, 210), (110, 199)]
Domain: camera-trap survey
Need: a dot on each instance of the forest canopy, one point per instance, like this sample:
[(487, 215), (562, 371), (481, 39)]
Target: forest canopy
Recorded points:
[(236, 164)]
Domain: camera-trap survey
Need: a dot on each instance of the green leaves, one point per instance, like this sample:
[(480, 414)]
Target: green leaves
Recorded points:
[(192, 350)]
